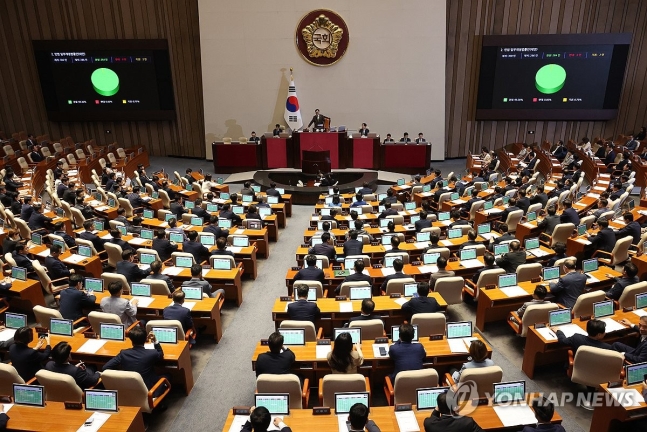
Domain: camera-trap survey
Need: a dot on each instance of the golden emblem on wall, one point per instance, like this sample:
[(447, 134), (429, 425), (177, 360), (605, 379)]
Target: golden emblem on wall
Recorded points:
[(322, 37)]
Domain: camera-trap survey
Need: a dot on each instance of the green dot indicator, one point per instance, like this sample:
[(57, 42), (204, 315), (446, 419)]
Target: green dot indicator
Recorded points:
[(105, 82), (550, 79)]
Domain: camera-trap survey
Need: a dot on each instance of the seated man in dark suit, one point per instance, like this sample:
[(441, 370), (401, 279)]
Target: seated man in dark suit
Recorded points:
[(272, 191), (84, 375), (388, 211), (324, 248), (129, 269), (513, 259), (471, 240), (178, 312), (549, 223), (195, 248), (569, 214), (398, 265), (489, 260), (139, 359), (199, 211), (38, 220), (512, 206), (421, 303), (74, 299), (632, 228), (25, 359), (505, 236), (366, 189), (227, 213), (523, 202), (116, 239), (59, 231), (163, 246), (136, 201), (88, 235), (629, 277), (639, 353), (595, 330), (310, 271), (444, 418), (544, 412), (22, 260), (456, 219), (55, 267), (368, 306), (156, 273), (404, 354), (353, 246), (302, 309), (357, 276), (441, 263), (605, 239), (177, 208), (569, 287), (560, 253), (197, 280), (278, 360), (221, 247), (423, 222), (26, 209), (390, 198), (214, 228)]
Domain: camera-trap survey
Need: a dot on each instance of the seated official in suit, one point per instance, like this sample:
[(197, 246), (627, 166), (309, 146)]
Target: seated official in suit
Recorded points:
[(195, 248), (345, 357), (278, 360), (260, 420), (538, 297), (317, 121), (310, 271), (359, 421), (177, 208), (178, 312), (441, 263), (443, 419), (26, 360), (368, 306), (58, 230), (631, 228), (227, 213), (214, 229), (406, 355), (198, 281), (121, 216), (388, 211), (199, 211), (254, 139), (405, 138), (395, 248), (88, 235), (26, 209), (363, 131), (398, 265), (126, 310), (139, 359), (421, 303), (129, 269), (74, 299), (595, 331), (604, 240), (352, 246), (513, 259), (156, 273), (357, 276), (302, 309), (163, 246), (277, 130), (38, 220), (55, 267), (560, 253), (388, 139), (549, 223), (544, 412), (22, 260), (569, 214), (116, 239), (84, 375), (569, 287), (390, 198), (135, 228), (423, 222), (629, 277), (421, 139), (639, 353), (324, 248), (252, 213), (489, 261), (221, 248), (272, 191), (479, 359), (456, 219), (471, 240)]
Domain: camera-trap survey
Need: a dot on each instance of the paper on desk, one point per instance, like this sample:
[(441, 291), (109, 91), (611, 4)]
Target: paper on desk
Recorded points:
[(591, 279), (626, 397), (471, 263), (106, 236), (429, 268), (164, 224), (44, 253), (457, 345), (547, 334), (401, 300), (149, 346), (592, 195), (91, 346), (407, 421), (205, 271), (345, 306), (405, 187), (238, 423), (239, 231), (570, 329), (75, 258), (515, 415), (6, 407), (446, 222), (234, 249), (173, 271), (348, 218), (613, 325), (186, 304), (388, 271), (640, 312), (98, 420), (579, 204), (143, 301), (137, 240), (446, 242), (387, 247), (514, 291), (7, 334), (583, 241), (421, 245), (376, 350), (321, 351), (341, 422), (494, 210)]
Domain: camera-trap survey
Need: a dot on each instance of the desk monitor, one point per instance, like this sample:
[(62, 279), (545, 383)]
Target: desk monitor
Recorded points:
[(36, 239), (511, 391), (272, 199), (590, 265), (468, 254), (500, 249), (19, 273), (314, 241), (85, 251), (97, 196), (31, 395), (184, 262), (550, 273), (454, 233), (401, 182), (192, 293), (320, 225), (507, 280), (147, 258), (443, 216), (190, 205), (410, 205), (349, 263), (532, 243), (445, 183), (635, 373), (360, 293), (454, 196), (427, 398), (169, 216), (280, 191), (506, 199), (359, 210), (641, 301), (384, 222), (112, 203), (111, 331), (426, 188), (559, 317), (430, 258), (248, 198), (60, 243), (224, 223), (165, 334), (345, 401), (238, 210), (319, 264), (220, 180), (98, 225), (395, 333), (483, 228), (61, 327), (581, 229), (312, 294), (196, 221), (460, 329), (488, 205), (221, 264), (212, 207), (410, 289), (148, 214), (208, 240), (389, 259), (603, 309), (94, 285), (414, 219), (60, 212), (386, 239), (256, 188), (15, 320), (423, 236), (176, 237), (531, 216), (122, 230), (264, 212), (101, 400), (381, 196), (155, 195), (224, 196), (324, 211), (293, 336), (278, 404), (355, 333), (140, 289)]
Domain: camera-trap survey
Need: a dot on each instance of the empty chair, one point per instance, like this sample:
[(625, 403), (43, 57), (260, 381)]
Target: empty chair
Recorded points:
[(404, 390), (593, 366), (114, 252), (429, 323), (158, 287), (341, 383), (618, 255), (370, 328), (345, 287), (397, 285), (561, 233), (513, 219), (8, 376), (450, 289), (443, 251), (584, 303), (527, 272), (285, 383), (112, 277), (133, 391), (59, 387), (311, 333), (537, 313), (484, 377), (628, 296), (487, 277)]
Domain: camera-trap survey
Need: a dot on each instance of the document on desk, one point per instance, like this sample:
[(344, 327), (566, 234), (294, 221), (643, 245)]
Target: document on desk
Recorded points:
[(343, 307), (515, 415), (75, 259), (387, 247), (471, 263), (137, 241), (592, 195), (401, 300), (387, 271), (205, 271), (405, 187), (421, 245), (494, 210), (514, 291), (547, 334), (446, 242), (583, 241), (91, 346), (44, 253), (321, 351), (613, 325), (143, 301), (626, 397), (446, 222), (98, 420), (238, 423), (591, 279), (640, 312), (7, 334), (172, 271), (428, 268), (457, 345), (407, 421), (234, 249), (6, 407), (186, 304), (106, 236), (239, 231), (570, 329), (376, 350)]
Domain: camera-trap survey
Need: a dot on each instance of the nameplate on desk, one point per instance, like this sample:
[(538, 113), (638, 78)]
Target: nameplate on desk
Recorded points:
[(312, 228), (375, 243), (377, 266), (540, 325), (435, 337), (323, 341), (452, 259), (395, 295), (535, 280), (585, 317), (305, 245), (241, 410), (480, 402), (416, 263), (338, 267), (614, 384), (296, 268), (89, 335), (340, 298), (265, 342), (320, 410), (403, 407), (284, 298), (411, 241), (489, 286), (73, 405), (381, 340), (628, 309), (41, 331)]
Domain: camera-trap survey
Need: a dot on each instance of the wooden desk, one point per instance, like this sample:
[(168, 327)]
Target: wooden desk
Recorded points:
[(641, 263), (229, 280), (89, 266), (25, 295), (608, 414), (36, 419)]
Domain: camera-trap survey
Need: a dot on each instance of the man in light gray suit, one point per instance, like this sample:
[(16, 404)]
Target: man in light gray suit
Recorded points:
[(569, 287)]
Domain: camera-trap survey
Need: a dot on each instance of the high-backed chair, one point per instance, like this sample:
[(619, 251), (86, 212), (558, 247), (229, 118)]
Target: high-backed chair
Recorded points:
[(285, 383), (51, 286), (311, 284), (628, 296), (443, 251), (341, 383), (484, 378), (8, 376), (618, 255), (133, 391), (59, 387), (593, 366), (111, 277), (487, 277), (561, 233), (158, 287), (44, 315), (429, 323), (397, 285), (311, 332), (584, 303), (527, 272), (346, 286), (404, 256), (397, 219), (513, 220), (96, 317), (371, 329), (365, 258), (450, 289), (114, 253), (533, 314), (406, 384), (181, 335)]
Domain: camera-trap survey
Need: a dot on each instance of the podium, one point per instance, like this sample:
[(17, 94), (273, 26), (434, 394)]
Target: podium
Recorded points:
[(314, 161)]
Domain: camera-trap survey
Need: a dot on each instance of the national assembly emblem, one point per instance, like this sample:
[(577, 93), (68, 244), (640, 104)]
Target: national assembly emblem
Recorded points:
[(322, 37)]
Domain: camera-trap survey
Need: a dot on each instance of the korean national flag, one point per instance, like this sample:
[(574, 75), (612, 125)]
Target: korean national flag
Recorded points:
[(292, 111)]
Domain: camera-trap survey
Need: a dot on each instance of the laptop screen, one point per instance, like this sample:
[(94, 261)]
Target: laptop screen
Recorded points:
[(19, 273), (355, 333), (190, 205), (94, 285), (603, 309), (454, 233), (389, 259), (410, 289), (589, 265), (148, 214), (460, 329), (360, 293), (443, 216), (426, 188), (111, 331), (224, 223), (256, 188), (468, 254), (15, 320), (98, 226), (168, 217), (423, 236), (641, 301), (345, 401), (101, 400), (395, 333), (483, 228), (140, 289), (550, 273), (559, 317), (581, 229), (146, 258), (224, 196), (212, 207), (293, 336), (221, 264), (325, 211), (488, 205), (506, 199), (312, 294), (532, 243), (272, 199), (192, 293), (512, 391), (36, 239), (184, 262), (165, 334), (33, 395), (409, 205), (207, 240), (635, 373), (507, 280), (381, 196), (122, 230), (196, 221), (276, 403), (62, 327), (240, 241), (264, 212), (501, 249), (384, 222), (454, 196), (415, 219), (430, 258), (401, 182), (85, 251), (531, 216), (60, 243), (426, 398), (314, 241), (386, 239), (248, 198)]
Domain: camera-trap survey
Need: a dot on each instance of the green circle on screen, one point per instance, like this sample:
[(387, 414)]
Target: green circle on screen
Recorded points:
[(550, 79), (105, 81)]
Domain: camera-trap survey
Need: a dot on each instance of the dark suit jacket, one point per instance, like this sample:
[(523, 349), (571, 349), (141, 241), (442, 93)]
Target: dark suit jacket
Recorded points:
[(310, 273), (4, 418), (578, 340), (448, 423), (420, 305), (197, 249), (396, 275), (69, 240), (406, 356), (27, 361), (616, 290), (26, 211), (138, 359), (510, 261), (82, 377), (177, 210), (56, 268), (38, 220), (631, 229), (180, 313), (303, 310), (636, 355), (135, 200), (549, 223), (324, 249), (353, 247), (131, 271), (164, 248), (216, 230), (422, 223), (539, 198), (200, 212), (23, 261), (73, 301), (523, 204), (388, 212), (570, 215), (275, 363), (97, 241), (507, 211), (604, 240), (568, 288), (124, 245)]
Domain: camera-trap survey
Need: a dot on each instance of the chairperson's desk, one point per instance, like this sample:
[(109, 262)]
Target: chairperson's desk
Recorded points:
[(37, 419), (204, 312), (411, 156)]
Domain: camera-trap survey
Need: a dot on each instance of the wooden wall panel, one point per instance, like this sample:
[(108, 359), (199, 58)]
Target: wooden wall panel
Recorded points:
[(469, 20), (21, 104)]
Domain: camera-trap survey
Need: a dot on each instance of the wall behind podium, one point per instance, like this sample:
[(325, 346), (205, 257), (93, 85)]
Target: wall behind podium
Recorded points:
[(392, 76)]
